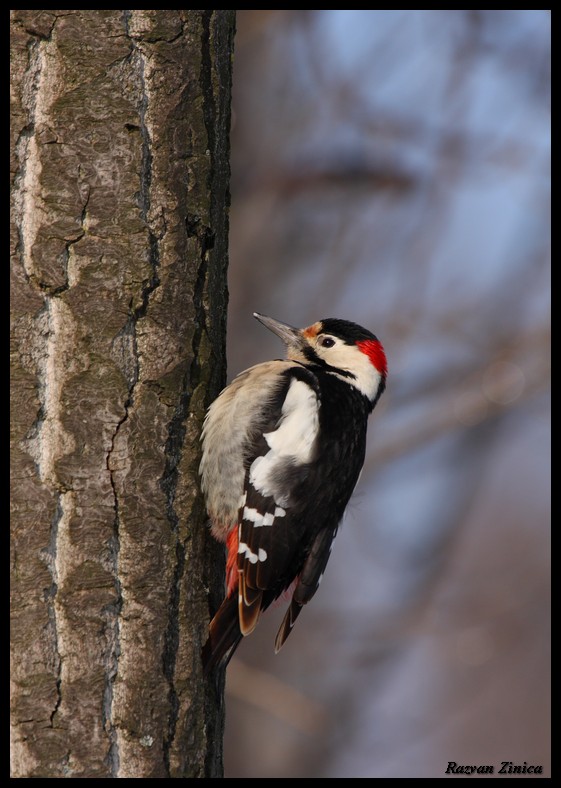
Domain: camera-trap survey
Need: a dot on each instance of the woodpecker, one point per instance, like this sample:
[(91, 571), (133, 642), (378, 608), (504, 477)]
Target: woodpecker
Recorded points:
[(282, 449)]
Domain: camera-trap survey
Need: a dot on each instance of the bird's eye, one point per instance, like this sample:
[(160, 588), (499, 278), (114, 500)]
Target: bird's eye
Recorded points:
[(327, 342)]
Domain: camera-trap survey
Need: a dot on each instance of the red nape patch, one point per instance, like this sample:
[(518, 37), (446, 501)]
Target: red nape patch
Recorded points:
[(232, 543), (375, 352)]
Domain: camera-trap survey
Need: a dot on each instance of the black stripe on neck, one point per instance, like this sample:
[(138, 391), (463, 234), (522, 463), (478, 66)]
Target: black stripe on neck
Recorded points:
[(313, 359)]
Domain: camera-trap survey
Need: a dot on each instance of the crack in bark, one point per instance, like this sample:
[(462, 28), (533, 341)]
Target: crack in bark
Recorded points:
[(65, 257), (33, 30), (139, 312), (50, 556), (113, 613), (145, 183), (44, 440), (170, 652), (209, 108), (168, 483), (177, 426)]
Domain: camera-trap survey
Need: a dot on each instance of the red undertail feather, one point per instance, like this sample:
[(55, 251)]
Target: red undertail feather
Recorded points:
[(224, 631), (232, 542)]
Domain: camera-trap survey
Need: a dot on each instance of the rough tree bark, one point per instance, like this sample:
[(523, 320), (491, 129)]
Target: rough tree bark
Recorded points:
[(120, 123)]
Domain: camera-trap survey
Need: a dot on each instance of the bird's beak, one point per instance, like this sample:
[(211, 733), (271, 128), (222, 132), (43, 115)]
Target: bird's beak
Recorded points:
[(292, 337)]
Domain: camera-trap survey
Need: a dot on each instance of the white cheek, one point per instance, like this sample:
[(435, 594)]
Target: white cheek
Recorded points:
[(367, 378), (351, 359)]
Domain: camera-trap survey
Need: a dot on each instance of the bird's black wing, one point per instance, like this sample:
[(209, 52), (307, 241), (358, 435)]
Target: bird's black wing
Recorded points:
[(308, 581), (271, 531)]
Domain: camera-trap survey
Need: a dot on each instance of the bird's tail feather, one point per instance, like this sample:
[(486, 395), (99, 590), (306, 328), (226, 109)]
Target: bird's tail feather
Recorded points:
[(287, 623), (224, 636)]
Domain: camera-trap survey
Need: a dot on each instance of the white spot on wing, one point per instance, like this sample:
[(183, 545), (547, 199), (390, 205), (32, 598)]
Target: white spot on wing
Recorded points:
[(252, 557), (253, 516)]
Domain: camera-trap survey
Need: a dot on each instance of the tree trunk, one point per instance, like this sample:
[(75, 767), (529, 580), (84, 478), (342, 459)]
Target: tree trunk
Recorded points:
[(120, 123)]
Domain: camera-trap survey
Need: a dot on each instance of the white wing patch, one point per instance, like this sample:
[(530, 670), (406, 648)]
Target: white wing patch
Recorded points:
[(293, 440), (296, 434)]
